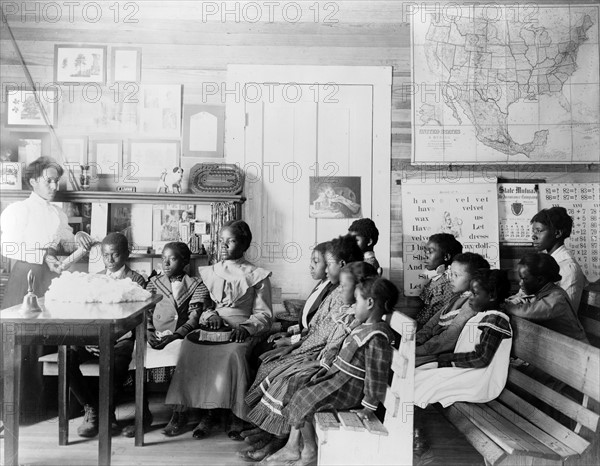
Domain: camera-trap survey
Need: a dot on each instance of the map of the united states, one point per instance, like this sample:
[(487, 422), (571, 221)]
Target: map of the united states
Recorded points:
[(508, 87)]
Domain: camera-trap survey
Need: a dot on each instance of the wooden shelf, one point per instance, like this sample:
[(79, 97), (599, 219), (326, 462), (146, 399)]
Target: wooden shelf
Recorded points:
[(130, 198), (158, 256)]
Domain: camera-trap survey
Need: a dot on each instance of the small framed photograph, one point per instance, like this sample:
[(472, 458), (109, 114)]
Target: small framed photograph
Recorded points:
[(75, 150), (150, 158), (80, 64), (31, 145), (335, 197), (107, 156), (126, 64), (203, 131), (10, 175), (30, 108)]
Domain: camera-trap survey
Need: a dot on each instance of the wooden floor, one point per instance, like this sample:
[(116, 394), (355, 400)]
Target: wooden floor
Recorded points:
[(39, 444)]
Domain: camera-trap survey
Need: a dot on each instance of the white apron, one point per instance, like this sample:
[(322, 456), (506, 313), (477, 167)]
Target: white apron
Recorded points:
[(447, 385)]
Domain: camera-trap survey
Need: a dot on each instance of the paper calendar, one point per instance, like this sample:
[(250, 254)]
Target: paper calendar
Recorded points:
[(517, 204), (582, 202)]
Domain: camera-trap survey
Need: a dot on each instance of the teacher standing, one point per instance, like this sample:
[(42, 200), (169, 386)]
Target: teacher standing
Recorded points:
[(32, 231)]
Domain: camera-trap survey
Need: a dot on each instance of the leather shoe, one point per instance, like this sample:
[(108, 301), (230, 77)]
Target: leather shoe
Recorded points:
[(176, 425), (129, 430)]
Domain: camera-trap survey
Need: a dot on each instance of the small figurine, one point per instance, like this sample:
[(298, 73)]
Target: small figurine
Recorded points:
[(170, 182), (30, 300)]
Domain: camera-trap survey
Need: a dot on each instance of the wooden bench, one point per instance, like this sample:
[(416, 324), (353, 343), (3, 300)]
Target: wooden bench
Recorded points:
[(589, 313), (346, 440), (512, 431)]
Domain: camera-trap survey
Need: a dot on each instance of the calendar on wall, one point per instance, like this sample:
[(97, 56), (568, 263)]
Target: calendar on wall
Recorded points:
[(517, 204), (582, 202)]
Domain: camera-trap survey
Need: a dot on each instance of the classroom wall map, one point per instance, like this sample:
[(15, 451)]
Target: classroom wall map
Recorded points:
[(516, 83)]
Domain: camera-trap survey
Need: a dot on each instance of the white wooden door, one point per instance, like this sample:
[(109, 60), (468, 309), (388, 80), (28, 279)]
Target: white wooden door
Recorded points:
[(289, 135)]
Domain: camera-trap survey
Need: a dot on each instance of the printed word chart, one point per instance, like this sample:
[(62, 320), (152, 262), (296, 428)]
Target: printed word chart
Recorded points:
[(469, 211), (582, 201)]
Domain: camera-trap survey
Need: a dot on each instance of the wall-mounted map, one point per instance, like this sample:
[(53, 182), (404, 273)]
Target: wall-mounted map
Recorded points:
[(516, 83)]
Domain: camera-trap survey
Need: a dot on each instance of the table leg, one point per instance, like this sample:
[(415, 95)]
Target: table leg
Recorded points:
[(11, 406), (140, 353), (63, 396), (106, 407)]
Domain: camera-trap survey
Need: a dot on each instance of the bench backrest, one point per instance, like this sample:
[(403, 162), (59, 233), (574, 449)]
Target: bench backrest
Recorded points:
[(399, 402), (589, 315), (551, 355)]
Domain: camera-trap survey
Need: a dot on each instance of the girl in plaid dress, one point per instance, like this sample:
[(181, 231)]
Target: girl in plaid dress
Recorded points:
[(358, 375), (275, 391)]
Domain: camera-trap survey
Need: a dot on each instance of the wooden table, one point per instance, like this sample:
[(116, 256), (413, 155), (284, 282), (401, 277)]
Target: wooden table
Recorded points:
[(64, 324)]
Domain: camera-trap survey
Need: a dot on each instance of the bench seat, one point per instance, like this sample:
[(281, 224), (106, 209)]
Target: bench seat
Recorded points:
[(548, 412)]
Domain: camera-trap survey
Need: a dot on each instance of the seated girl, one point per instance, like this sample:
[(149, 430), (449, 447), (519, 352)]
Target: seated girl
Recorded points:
[(477, 369), (358, 376), (317, 268), (440, 333), (341, 251), (274, 392), (541, 300), (217, 376)]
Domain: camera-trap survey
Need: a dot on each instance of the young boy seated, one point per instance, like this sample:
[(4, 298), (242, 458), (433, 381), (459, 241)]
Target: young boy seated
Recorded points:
[(366, 234), (437, 293), (115, 252), (541, 300), (440, 333), (550, 228)]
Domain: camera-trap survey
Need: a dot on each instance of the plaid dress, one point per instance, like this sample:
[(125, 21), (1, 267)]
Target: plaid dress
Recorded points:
[(274, 392), (435, 296), (358, 376), (319, 330)]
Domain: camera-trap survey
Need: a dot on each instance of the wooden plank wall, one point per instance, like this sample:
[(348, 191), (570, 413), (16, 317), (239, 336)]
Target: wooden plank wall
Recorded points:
[(192, 42)]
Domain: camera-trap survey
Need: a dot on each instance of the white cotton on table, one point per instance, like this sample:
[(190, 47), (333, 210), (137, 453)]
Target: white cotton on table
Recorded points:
[(79, 287)]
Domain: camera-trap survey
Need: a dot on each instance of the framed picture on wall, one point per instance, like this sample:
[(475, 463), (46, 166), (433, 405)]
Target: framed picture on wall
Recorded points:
[(126, 64), (79, 64), (75, 150), (150, 158), (335, 197), (160, 110), (106, 156), (30, 145), (10, 175), (203, 131), (25, 107)]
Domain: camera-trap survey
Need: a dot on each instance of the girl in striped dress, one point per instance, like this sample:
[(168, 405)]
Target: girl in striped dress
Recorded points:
[(358, 375), (275, 391)]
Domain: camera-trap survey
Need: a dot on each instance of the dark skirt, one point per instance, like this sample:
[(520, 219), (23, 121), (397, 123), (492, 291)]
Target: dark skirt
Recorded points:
[(211, 376), (33, 406)]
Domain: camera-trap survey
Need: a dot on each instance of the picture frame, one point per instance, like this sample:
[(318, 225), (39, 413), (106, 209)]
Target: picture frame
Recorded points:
[(24, 107), (160, 110), (104, 154), (11, 176), (147, 159), (126, 64), (335, 197), (203, 131), (74, 150), (31, 145), (79, 63)]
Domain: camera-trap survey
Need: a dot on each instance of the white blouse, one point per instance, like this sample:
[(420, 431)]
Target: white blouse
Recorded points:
[(32, 226)]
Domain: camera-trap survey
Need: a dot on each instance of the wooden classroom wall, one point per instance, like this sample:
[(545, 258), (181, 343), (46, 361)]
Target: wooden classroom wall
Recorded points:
[(191, 43)]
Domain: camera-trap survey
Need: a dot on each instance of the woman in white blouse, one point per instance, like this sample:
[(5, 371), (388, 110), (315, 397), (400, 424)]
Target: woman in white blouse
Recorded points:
[(32, 230), (31, 233)]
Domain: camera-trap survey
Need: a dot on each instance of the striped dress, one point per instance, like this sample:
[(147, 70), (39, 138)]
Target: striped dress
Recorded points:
[(274, 392), (319, 330), (358, 376)]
